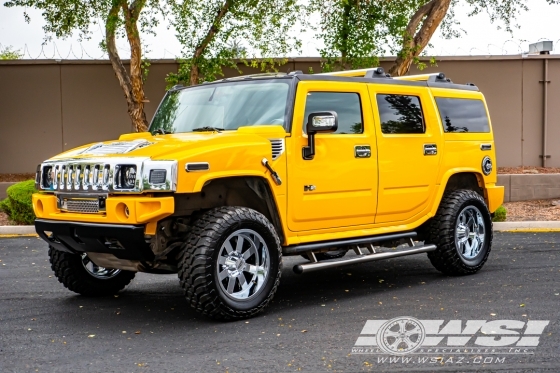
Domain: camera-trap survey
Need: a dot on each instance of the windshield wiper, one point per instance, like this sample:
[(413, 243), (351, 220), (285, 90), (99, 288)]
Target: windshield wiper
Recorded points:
[(162, 131), (205, 129)]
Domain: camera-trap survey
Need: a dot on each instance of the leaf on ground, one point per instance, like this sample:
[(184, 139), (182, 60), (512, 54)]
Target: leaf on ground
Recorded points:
[(304, 331), (91, 336)]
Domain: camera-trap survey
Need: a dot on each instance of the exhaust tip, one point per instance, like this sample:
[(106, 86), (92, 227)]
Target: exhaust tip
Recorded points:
[(298, 269)]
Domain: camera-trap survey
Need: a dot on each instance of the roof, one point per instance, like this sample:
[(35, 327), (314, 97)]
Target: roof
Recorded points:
[(372, 75)]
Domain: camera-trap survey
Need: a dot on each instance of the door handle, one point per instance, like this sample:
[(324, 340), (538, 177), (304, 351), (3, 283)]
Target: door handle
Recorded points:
[(362, 151), (430, 149)]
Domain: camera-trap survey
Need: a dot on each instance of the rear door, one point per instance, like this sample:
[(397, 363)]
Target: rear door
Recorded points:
[(409, 146)]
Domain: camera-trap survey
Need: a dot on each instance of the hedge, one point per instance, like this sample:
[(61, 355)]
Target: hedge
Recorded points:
[(18, 205)]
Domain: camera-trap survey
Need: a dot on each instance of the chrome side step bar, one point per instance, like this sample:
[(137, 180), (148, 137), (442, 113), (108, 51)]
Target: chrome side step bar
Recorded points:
[(309, 267), (302, 248)]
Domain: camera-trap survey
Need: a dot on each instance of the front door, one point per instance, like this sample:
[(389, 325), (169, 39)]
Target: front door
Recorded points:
[(338, 187)]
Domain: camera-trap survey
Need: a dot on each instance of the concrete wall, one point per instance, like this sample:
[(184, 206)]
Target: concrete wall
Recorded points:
[(49, 106), (529, 187)]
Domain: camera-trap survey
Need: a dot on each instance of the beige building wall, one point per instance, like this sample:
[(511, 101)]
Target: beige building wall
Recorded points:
[(47, 107)]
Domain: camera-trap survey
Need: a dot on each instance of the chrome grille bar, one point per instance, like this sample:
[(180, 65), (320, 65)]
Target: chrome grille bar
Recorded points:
[(94, 175)]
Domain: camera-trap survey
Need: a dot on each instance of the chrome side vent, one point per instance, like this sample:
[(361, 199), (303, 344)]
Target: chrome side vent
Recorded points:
[(277, 148)]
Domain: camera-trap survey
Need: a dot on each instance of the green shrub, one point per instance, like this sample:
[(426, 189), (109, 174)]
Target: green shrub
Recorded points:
[(500, 214), (18, 205)]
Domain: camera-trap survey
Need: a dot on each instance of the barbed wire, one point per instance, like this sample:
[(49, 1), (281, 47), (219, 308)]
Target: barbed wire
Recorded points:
[(78, 51)]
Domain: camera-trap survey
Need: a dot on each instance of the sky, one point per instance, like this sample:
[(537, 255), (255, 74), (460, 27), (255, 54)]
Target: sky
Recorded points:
[(482, 38)]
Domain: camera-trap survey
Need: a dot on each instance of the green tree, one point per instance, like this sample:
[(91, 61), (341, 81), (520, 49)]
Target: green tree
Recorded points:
[(8, 53), (355, 32), (216, 33), (128, 18)]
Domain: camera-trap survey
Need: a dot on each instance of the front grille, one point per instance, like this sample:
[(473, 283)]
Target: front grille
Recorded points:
[(83, 206), (103, 175)]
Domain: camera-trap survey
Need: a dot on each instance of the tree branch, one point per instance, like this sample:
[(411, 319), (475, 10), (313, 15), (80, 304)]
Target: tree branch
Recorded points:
[(207, 39), (430, 15)]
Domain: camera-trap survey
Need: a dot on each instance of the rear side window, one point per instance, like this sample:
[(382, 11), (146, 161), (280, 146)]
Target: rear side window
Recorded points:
[(400, 114), (463, 115), (346, 105)]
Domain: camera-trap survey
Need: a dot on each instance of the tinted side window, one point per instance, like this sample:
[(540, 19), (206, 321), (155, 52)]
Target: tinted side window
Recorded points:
[(400, 114), (346, 105), (462, 115)]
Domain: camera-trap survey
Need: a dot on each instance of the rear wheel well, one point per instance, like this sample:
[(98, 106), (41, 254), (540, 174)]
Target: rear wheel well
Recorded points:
[(252, 192), (465, 180)]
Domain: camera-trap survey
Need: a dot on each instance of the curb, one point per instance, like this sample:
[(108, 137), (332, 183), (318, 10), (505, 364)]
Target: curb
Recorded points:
[(17, 230), (527, 226), (509, 226)]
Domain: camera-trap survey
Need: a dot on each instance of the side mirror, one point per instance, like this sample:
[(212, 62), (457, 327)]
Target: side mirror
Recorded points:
[(320, 122)]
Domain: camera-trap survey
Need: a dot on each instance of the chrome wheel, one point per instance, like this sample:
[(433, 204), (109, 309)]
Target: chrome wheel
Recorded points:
[(470, 232), (243, 264), (96, 271)]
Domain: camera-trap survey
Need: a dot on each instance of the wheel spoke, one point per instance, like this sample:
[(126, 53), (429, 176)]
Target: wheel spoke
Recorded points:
[(221, 260), (223, 274), (231, 284), (228, 247), (239, 246), (242, 280), (249, 252), (256, 241)]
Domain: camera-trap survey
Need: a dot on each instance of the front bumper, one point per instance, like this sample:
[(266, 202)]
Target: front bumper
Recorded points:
[(123, 241), (141, 210)]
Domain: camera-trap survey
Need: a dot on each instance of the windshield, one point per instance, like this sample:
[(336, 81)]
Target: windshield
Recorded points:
[(224, 106)]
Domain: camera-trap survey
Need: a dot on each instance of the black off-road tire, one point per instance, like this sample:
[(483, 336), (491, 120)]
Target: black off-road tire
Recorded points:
[(70, 271), (442, 230), (199, 260), (335, 254)]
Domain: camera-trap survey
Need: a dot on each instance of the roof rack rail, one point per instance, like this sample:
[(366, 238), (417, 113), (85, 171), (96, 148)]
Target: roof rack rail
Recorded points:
[(435, 78), (252, 76), (375, 72)]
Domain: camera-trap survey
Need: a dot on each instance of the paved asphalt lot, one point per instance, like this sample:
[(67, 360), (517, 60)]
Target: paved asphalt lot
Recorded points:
[(46, 328)]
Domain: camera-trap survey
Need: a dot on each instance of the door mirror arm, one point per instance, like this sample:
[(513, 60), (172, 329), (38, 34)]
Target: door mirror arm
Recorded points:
[(319, 122)]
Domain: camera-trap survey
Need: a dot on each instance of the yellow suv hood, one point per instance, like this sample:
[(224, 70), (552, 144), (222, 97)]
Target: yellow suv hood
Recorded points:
[(174, 146)]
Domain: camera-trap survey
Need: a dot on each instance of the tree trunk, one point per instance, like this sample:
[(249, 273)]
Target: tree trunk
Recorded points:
[(195, 71), (131, 84), (414, 42)]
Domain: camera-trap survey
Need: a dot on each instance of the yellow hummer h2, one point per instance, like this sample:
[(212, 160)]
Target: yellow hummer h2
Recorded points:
[(238, 173)]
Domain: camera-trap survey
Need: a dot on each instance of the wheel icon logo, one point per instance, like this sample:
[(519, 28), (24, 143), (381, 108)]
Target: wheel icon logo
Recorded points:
[(401, 335)]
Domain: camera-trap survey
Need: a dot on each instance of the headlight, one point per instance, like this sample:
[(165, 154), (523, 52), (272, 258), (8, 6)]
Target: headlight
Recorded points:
[(44, 178), (125, 177)]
